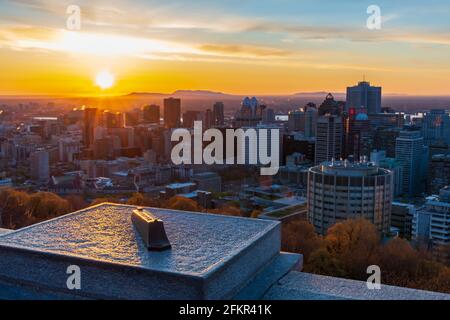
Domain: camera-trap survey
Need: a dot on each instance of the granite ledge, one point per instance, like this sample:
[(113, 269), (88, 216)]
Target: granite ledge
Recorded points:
[(306, 286)]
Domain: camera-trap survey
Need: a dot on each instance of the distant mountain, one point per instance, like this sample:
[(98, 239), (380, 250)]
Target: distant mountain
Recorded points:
[(202, 94)]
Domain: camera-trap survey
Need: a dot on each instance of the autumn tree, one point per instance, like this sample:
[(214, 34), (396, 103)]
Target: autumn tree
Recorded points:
[(138, 199), (300, 237), (20, 209), (354, 243), (76, 202), (228, 209), (182, 203)]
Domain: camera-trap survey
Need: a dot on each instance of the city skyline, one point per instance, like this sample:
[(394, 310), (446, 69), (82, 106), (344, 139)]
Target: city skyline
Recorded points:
[(260, 48)]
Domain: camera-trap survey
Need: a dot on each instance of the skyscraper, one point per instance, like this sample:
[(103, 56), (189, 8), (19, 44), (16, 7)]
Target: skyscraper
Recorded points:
[(340, 190), (172, 112), (40, 167), (90, 122), (218, 114), (328, 138), (436, 126), (151, 113), (358, 140), (413, 155), (208, 119), (364, 96), (330, 106), (304, 120)]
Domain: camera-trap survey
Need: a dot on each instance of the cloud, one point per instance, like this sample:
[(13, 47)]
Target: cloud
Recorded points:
[(244, 50)]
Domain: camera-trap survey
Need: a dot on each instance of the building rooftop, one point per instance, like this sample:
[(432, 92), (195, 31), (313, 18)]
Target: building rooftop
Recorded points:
[(346, 168)]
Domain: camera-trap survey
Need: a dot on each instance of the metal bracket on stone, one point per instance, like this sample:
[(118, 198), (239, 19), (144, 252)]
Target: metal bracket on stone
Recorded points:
[(151, 230)]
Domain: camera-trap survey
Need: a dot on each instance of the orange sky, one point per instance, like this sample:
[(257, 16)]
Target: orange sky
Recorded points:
[(231, 54)]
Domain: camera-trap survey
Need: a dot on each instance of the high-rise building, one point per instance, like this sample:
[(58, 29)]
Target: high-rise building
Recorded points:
[(431, 222), (436, 126), (340, 190), (328, 138), (364, 96), (358, 138), (297, 143), (385, 139), (331, 106), (268, 116), (90, 122), (151, 113), (250, 113), (190, 116), (401, 219), (172, 113), (40, 165), (387, 120), (218, 114), (413, 156), (304, 120), (439, 174), (113, 119), (208, 120)]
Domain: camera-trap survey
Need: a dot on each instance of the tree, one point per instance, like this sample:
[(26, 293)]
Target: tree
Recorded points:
[(398, 261), (182, 203), (228, 209), (300, 237), (353, 243), (321, 261), (13, 208), (76, 202), (138, 199), (255, 213), (21, 209)]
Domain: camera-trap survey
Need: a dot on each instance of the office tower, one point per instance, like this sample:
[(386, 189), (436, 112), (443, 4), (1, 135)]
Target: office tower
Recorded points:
[(268, 116), (331, 106), (297, 143), (386, 139), (364, 96), (172, 113), (436, 127), (250, 113), (296, 121), (387, 120), (208, 120), (131, 119), (413, 156), (190, 116), (340, 190), (304, 120), (151, 114), (113, 119), (40, 165), (328, 138), (218, 114), (396, 167), (431, 222), (90, 122), (358, 140), (439, 175), (401, 219)]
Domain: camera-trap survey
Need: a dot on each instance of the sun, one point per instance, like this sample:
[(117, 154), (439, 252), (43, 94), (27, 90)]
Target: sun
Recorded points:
[(104, 80)]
